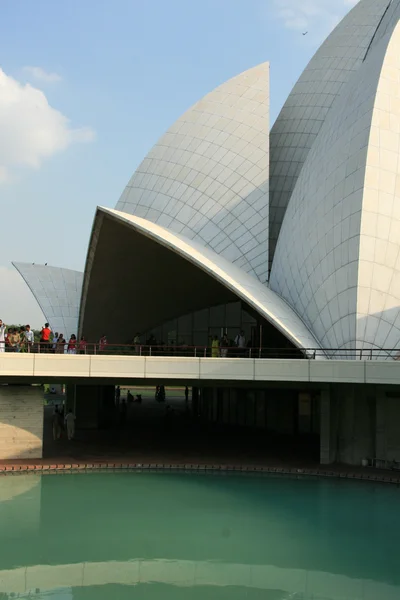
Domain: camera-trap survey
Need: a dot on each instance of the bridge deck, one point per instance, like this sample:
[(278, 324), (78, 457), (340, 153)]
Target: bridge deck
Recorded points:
[(31, 368)]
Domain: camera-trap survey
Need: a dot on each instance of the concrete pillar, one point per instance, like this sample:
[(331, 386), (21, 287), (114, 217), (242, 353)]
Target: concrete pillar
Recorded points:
[(380, 430), (328, 422), (195, 401), (21, 421), (93, 405)]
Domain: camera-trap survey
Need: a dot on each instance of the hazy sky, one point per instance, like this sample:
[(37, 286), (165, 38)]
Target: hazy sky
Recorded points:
[(88, 86)]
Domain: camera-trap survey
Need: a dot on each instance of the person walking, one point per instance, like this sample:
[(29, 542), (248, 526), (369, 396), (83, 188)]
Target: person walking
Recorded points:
[(45, 338), (70, 422)]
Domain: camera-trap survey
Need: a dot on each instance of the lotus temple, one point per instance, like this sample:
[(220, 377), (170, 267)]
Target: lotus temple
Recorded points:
[(290, 234)]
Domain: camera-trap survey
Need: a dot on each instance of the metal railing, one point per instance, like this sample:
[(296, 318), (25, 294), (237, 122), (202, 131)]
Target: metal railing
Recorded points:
[(160, 350)]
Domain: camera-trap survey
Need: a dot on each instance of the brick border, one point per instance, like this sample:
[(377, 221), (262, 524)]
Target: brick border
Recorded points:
[(53, 468)]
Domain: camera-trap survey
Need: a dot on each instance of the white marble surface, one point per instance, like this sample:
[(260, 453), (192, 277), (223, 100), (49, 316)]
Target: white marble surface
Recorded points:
[(58, 293), (311, 100), (207, 177), (337, 259)]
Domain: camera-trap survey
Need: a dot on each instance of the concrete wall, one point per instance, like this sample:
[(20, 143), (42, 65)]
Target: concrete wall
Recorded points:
[(388, 425), (360, 422), (93, 405), (21, 422)]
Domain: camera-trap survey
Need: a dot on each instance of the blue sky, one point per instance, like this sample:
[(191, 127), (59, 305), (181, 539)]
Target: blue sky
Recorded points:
[(88, 86)]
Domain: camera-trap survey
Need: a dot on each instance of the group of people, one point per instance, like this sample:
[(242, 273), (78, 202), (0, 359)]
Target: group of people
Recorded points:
[(220, 347), (22, 339), (16, 339)]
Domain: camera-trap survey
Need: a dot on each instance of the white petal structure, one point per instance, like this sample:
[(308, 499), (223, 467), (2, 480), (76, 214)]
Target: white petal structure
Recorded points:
[(311, 99), (338, 256), (169, 256), (195, 227), (58, 293), (207, 177)]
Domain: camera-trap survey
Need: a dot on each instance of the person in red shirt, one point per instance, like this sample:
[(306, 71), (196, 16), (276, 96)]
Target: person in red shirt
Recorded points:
[(82, 345), (102, 343), (45, 338), (72, 344)]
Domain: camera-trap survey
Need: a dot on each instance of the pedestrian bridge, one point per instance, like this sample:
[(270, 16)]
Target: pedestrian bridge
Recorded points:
[(95, 369)]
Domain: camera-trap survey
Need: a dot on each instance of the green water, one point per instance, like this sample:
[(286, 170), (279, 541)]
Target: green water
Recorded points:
[(181, 536)]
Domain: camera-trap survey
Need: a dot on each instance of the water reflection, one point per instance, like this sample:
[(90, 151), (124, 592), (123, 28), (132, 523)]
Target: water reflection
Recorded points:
[(68, 579), (219, 537)]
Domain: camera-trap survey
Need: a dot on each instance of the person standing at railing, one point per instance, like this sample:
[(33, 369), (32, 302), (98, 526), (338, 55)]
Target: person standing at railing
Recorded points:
[(14, 340), (55, 340), (102, 343), (45, 338), (22, 340), (29, 338), (3, 329), (215, 347), (224, 346), (136, 342), (240, 341), (72, 344), (60, 344), (82, 345)]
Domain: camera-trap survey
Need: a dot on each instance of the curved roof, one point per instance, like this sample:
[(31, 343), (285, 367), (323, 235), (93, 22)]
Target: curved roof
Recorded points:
[(337, 259), (388, 22), (207, 177), (218, 277), (310, 101), (58, 293)]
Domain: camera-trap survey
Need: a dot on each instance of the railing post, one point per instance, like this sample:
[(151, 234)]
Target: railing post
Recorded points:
[(195, 351), (205, 351), (140, 350), (149, 350)]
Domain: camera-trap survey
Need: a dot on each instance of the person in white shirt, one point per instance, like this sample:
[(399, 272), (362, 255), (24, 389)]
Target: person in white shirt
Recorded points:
[(70, 421), (2, 336), (55, 340), (29, 337), (240, 340)]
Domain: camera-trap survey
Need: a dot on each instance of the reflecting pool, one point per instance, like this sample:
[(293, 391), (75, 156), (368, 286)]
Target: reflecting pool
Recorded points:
[(153, 536)]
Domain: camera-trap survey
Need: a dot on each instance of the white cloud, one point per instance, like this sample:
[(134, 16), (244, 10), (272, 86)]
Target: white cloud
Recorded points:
[(42, 75), (319, 16), (18, 305), (30, 129)]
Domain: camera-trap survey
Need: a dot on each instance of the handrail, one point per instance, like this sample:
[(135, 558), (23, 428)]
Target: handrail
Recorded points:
[(168, 350)]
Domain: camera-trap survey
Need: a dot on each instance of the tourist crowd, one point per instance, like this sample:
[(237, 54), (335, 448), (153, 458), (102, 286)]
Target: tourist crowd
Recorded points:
[(22, 339)]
